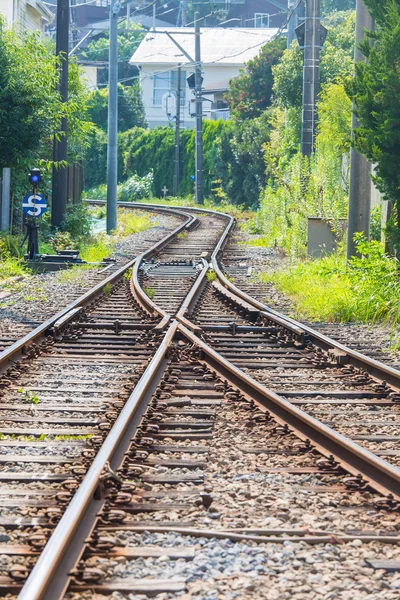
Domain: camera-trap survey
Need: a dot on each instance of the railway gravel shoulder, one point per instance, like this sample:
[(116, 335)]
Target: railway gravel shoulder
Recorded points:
[(36, 298), (215, 496), (244, 262)]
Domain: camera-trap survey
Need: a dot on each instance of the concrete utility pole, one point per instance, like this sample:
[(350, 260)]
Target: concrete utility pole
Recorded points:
[(312, 47), (292, 23), (184, 12), (5, 200), (199, 114), (60, 174), (177, 130), (112, 149), (360, 168)]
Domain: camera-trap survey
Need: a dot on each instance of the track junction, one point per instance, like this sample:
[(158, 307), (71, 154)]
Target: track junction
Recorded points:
[(148, 388)]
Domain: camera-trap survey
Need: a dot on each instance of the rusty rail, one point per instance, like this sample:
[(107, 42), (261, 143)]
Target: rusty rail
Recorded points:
[(382, 476), (21, 346), (50, 577)]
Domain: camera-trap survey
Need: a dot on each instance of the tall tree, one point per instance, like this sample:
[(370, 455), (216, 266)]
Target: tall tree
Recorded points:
[(376, 91), (250, 93), (128, 41), (336, 60), (130, 107)]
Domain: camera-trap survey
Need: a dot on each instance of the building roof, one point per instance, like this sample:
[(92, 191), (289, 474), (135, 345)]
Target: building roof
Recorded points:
[(217, 86), (218, 45)]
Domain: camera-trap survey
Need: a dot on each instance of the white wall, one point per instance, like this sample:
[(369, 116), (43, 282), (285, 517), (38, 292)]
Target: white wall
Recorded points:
[(24, 13), (156, 115)]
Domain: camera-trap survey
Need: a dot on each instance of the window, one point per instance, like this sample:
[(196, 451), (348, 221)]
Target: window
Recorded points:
[(166, 82), (261, 20)]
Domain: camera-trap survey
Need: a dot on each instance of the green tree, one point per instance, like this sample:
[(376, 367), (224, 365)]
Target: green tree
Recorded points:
[(330, 6), (250, 93), (336, 61), (98, 50), (376, 92), (130, 107), (29, 103)]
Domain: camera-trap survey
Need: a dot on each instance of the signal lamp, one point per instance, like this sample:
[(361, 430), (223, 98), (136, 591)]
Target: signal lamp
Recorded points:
[(35, 177)]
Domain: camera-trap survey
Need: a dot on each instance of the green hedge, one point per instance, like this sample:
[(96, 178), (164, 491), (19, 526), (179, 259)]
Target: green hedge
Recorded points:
[(228, 161)]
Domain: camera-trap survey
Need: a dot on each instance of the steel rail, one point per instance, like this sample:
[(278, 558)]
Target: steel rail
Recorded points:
[(382, 476), (50, 577), (192, 298), (374, 367), (21, 346)]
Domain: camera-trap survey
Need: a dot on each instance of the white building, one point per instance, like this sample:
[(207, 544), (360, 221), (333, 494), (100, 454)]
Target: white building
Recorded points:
[(223, 53), (30, 15)]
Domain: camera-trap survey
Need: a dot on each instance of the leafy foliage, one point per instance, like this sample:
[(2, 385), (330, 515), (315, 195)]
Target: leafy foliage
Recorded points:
[(233, 159), (365, 289), (330, 6), (336, 61), (135, 188), (299, 187), (130, 107), (128, 41), (29, 106), (250, 93), (376, 90)]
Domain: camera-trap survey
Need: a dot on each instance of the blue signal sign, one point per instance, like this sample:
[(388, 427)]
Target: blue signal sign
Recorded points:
[(34, 205)]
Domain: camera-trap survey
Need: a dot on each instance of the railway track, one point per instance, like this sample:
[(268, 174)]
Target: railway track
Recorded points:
[(17, 320), (167, 442), (244, 265)]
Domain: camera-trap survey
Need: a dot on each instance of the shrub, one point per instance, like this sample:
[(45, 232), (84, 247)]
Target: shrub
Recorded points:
[(136, 188)]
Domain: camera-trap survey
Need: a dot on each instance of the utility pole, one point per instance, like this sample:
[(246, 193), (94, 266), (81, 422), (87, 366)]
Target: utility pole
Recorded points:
[(292, 23), (177, 130), (199, 114), (312, 47), (360, 168), (5, 200), (112, 150), (184, 12), (60, 173)]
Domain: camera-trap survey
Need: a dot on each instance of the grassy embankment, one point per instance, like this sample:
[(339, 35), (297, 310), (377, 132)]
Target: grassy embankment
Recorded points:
[(366, 289), (93, 247)]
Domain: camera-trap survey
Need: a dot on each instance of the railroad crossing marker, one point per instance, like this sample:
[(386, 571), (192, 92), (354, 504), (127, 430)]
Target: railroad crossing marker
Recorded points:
[(164, 190), (34, 205)]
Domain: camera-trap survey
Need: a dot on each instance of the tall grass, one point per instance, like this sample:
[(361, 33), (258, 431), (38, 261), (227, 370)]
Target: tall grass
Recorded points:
[(129, 223), (366, 289)]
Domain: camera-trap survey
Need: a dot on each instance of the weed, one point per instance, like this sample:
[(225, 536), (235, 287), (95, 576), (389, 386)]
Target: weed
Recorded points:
[(211, 276), (76, 274), (130, 223), (182, 235), (107, 289), (97, 250), (62, 241), (150, 292), (11, 267), (58, 438), (28, 396), (365, 290), (128, 274)]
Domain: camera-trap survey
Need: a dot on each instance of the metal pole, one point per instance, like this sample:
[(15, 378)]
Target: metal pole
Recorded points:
[(360, 168), (112, 150), (60, 174), (310, 75), (184, 12), (177, 131), (199, 114), (154, 16), (292, 23), (5, 200)]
